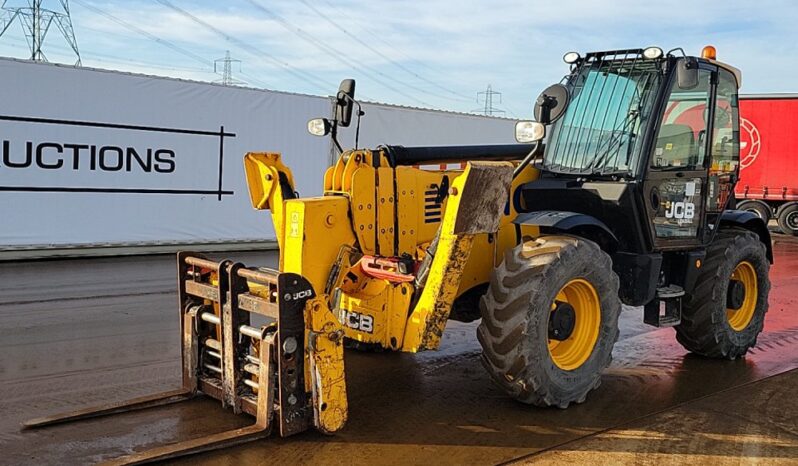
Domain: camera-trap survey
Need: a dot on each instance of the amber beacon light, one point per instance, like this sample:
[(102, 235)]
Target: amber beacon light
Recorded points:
[(709, 53)]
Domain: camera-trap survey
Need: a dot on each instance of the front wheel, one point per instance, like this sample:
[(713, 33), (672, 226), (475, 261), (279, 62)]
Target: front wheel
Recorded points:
[(726, 310), (550, 320)]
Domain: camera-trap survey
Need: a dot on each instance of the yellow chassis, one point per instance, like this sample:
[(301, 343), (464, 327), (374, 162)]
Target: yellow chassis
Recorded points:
[(387, 212), (372, 210)]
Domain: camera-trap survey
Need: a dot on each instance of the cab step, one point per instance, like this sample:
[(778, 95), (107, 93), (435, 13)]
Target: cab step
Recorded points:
[(670, 292), (665, 310)]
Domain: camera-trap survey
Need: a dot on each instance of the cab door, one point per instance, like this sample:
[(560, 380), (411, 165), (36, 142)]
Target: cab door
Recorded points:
[(724, 149), (676, 181)]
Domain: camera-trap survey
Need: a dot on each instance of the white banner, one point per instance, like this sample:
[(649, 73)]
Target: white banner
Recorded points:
[(92, 157)]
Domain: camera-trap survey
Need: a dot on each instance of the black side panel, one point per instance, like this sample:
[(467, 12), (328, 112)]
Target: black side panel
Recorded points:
[(612, 203), (681, 268), (552, 221), (638, 274), (691, 268), (749, 221), (400, 155)]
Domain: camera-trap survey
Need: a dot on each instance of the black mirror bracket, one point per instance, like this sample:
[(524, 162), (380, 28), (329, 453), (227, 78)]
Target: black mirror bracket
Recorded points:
[(551, 104)]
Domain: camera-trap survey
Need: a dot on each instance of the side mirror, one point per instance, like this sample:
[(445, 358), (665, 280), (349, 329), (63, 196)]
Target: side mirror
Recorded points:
[(529, 131), (687, 73), (551, 104), (345, 102)]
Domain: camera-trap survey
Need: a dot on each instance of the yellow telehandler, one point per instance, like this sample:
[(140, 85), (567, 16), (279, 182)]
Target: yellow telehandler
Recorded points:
[(629, 201)]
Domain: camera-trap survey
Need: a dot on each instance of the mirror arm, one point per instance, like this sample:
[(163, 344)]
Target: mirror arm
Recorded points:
[(357, 129), (360, 113), (334, 137), (527, 160)]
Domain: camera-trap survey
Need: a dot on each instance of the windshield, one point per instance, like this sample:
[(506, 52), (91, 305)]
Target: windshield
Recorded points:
[(610, 101)]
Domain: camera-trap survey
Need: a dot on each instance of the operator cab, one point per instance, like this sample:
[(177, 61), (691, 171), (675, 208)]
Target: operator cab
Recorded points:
[(642, 156)]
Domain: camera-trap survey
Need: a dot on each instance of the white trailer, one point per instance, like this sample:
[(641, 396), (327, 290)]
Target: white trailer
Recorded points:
[(95, 161)]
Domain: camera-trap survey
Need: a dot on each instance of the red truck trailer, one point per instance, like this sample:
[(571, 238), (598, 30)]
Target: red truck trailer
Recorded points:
[(768, 183)]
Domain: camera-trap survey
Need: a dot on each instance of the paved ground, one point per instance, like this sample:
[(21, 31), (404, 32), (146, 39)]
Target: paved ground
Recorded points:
[(81, 332)]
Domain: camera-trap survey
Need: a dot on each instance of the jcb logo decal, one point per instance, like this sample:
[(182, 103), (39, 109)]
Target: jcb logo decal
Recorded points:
[(298, 295), (681, 211), (358, 321)]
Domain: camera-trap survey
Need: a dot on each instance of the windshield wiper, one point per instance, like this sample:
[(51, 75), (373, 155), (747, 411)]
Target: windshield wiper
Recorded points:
[(676, 168), (612, 173), (616, 139)]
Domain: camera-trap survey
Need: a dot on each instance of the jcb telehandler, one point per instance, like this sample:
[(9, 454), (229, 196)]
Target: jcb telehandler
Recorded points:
[(630, 202)]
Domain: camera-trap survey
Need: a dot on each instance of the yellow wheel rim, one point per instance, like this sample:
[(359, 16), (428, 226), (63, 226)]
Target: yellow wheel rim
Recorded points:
[(741, 317), (571, 353)]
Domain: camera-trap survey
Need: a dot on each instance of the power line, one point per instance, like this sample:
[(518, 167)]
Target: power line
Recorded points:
[(36, 22), (363, 27), (380, 37), (254, 51), (146, 34), (166, 43), (385, 57), (113, 59), (487, 95), (347, 61)]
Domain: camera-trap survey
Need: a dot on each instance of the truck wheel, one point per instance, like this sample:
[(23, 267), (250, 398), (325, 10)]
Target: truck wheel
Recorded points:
[(788, 219), (761, 209), (726, 310), (550, 320)]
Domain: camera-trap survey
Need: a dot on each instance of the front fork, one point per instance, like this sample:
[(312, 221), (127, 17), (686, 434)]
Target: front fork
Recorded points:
[(287, 371)]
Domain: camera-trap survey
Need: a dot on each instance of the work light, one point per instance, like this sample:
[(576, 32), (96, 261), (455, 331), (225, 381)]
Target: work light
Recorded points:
[(652, 53), (571, 57)]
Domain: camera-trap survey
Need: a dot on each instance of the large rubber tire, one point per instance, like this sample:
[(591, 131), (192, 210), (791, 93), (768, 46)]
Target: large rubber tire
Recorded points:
[(515, 318), (761, 209), (705, 328), (788, 219)]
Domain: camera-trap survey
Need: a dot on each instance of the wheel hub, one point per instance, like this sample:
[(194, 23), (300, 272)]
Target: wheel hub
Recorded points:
[(741, 297), (574, 324), (562, 321), (735, 295)]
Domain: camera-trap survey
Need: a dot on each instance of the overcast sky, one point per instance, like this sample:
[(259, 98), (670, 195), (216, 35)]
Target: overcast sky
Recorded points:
[(417, 52)]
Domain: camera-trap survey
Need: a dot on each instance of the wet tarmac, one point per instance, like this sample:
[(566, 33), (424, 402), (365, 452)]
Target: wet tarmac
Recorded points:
[(76, 333)]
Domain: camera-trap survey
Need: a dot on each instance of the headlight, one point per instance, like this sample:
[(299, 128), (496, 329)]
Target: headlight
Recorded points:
[(319, 126), (529, 131), (652, 53), (571, 57)]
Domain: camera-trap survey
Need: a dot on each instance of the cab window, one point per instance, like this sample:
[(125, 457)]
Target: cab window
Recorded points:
[(680, 140), (725, 150)]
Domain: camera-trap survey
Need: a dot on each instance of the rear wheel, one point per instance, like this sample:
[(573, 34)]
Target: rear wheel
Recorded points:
[(759, 208), (788, 219), (550, 320), (726, 310)]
